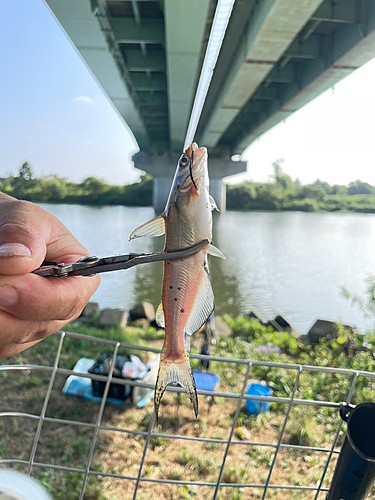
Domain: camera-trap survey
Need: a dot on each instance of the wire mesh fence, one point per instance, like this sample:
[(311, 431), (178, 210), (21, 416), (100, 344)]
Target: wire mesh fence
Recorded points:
[(125, 450)]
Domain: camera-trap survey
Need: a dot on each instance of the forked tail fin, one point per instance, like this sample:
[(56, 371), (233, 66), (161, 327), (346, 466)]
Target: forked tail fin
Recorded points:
[(179, 373)]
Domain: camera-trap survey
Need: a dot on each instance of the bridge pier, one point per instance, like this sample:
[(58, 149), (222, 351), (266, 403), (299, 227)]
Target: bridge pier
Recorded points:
[(162, 168), (160, 193)]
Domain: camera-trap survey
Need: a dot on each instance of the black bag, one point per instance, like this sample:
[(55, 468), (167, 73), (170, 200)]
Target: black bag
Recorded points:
[(102, 367)]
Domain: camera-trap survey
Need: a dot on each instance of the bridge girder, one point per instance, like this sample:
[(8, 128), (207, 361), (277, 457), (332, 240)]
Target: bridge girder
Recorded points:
[(331, 42), (276, 56)]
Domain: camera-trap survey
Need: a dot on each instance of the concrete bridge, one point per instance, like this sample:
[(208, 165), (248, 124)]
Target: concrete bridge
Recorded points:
[(276, 56)]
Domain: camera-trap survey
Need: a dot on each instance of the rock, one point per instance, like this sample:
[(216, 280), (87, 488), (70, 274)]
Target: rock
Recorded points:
[(90, 309), (280, 324), (114, 317), (283, 323), (273, 324), (222, 330), (253, 315), (304, 338), (144, 310), (323, 328)]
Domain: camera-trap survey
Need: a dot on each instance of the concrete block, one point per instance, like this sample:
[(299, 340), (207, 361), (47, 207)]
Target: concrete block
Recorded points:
[(90, 309), (222, 330), (280, 324), (143, 310), (114, 317), (253, 315), (322, 329)]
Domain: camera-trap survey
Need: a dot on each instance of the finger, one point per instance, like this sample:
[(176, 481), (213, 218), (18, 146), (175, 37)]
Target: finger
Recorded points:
[(29, 235), (33, 298), (22, 333), (23, 235)]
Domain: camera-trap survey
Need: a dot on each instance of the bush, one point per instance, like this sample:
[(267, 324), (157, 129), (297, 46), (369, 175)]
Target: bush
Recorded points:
[(305, 205), (92, 191)]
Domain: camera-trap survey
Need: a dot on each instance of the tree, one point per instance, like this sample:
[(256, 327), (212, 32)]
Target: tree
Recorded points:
[(323, 185), (140, 193), (93, 188), (56, 187), (25, 171), (338, 189), (241, 196), (281, 178), (359, 187), (24, 182), (277, 169), (313, 192)]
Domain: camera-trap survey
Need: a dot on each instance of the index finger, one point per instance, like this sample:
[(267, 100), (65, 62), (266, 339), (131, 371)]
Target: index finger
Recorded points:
[(47, 299)]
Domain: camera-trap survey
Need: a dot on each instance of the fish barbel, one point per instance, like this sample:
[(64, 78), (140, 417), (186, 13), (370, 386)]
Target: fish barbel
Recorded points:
[(187, 297)]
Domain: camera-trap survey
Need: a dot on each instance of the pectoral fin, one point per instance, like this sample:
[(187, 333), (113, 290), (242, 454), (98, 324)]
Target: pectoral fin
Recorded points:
[(154, 227), (203, 306), (213, 204), (212, 250), (159, 316)]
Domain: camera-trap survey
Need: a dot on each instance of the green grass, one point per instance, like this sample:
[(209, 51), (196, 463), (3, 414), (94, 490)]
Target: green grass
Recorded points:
[(67, 486), (202, 464), (66, 445)]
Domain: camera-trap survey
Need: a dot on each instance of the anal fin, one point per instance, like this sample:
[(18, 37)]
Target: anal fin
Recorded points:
[(202, 307)]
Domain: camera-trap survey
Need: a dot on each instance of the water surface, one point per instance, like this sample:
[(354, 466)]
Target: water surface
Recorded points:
[(288, 263)]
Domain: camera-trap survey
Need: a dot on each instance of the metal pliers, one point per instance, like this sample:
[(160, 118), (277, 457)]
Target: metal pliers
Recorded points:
[(90, 265)]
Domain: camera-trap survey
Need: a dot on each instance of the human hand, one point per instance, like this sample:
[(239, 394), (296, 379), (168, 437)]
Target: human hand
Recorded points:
[(32, 307)]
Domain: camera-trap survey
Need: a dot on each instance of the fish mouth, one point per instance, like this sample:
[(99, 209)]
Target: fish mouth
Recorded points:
[(195, 151), (196, 157), (192, 171)]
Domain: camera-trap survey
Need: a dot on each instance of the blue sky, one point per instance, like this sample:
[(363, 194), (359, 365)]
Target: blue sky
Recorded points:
[(332, 138), (53, 112), (55, 115)]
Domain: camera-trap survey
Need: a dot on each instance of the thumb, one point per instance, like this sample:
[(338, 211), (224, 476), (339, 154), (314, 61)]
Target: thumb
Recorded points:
[(23, 233)]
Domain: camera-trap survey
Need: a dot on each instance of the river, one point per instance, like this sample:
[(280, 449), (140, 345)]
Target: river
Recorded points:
[(288, 263)]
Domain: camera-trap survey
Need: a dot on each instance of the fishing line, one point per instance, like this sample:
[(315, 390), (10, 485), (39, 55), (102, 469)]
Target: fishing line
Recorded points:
[(219, 26), (190, 168)]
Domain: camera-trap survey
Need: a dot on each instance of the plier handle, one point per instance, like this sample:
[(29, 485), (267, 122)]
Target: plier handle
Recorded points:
[(90, 265)]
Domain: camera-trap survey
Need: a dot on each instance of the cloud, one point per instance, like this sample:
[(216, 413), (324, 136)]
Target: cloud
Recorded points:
[(84, 99)]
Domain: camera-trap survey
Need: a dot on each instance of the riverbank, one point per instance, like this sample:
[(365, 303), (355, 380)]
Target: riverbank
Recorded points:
[(291, 196), (119, 453)]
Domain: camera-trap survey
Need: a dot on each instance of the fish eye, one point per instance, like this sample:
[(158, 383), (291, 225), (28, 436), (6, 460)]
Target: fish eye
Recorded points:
[(183, 161)]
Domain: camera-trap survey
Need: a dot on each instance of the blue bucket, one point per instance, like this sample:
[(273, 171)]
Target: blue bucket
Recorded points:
[(256, 407)]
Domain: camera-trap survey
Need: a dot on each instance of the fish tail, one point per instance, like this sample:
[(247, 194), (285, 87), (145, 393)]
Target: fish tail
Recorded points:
[(171, 372)]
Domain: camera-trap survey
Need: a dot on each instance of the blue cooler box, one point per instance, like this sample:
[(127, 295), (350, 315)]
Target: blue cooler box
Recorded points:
[(256, 407)]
